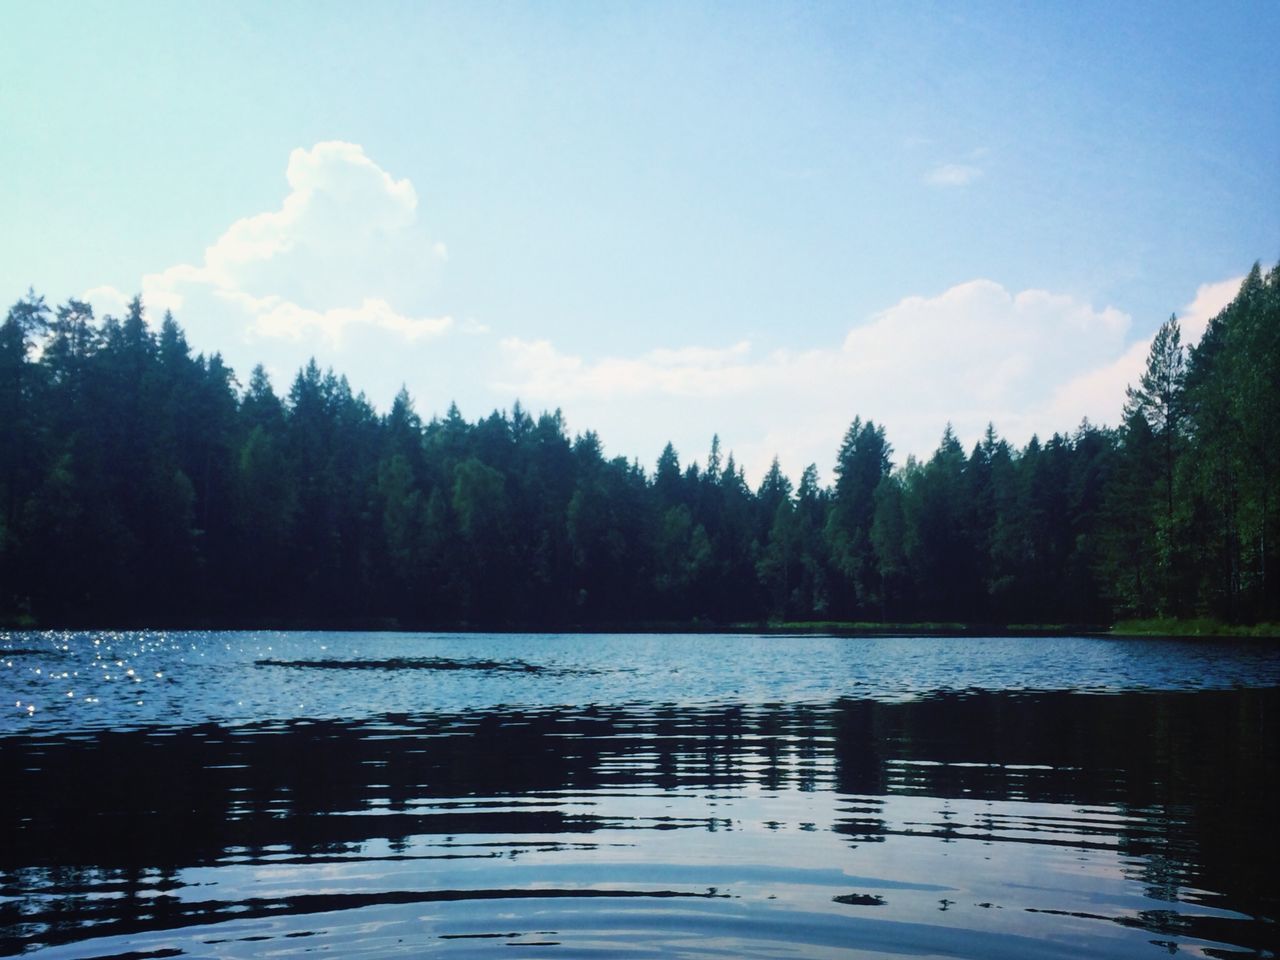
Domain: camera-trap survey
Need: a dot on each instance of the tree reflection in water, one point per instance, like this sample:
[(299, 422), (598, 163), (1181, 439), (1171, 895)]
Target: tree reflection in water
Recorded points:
[(112, 833)]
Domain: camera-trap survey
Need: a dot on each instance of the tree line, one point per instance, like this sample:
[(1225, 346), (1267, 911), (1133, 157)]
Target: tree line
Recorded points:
[(142, 484)]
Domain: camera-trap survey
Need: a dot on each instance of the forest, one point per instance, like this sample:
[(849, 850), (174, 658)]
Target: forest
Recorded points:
[(144, 485)]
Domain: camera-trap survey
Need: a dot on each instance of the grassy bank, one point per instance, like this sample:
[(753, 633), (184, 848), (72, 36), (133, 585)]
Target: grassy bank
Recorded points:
[(1167, 627), (1204, 627), (924, 628)]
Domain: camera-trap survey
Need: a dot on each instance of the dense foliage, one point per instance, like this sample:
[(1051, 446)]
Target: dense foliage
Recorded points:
[(140, 484)]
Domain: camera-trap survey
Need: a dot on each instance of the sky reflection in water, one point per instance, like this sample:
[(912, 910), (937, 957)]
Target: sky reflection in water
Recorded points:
[(109, 679)]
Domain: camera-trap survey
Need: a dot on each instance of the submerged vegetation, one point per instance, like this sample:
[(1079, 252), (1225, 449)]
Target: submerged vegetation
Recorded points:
[(141, 484)]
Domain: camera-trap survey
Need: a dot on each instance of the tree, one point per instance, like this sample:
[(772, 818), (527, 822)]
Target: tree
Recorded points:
[(863, 461), (775, 489), (1233, 408), (73, 339), (937, 550), (667, 480), (812, 593), (1254, 343), (1128, 564), (138, 484), (1158, 397), (779, 560), (888, 539), (27, 319)]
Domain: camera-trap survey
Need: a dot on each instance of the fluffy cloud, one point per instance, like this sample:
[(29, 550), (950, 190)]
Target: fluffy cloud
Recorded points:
[(1031, 362), (973, 353), (284, 319), (1208, 302), (344, 270), (1099, 393), (106, 299), (344, 249)]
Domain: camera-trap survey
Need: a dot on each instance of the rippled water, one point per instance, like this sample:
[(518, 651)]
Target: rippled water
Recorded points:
[(254, 794)]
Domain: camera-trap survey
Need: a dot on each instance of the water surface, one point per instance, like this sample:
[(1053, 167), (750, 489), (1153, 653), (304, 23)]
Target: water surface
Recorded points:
[(252, 794)]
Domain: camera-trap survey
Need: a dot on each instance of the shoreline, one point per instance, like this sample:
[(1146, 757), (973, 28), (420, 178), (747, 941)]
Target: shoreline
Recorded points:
[(1201, 629)]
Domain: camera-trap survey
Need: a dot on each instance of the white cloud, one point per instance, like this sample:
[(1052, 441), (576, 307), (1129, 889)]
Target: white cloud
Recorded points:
[(1208, 302), (344, 269), (1031, 362), (974, 353), (344, 248), (284, 319), (106, 299), (1100, 393), (953, 175)]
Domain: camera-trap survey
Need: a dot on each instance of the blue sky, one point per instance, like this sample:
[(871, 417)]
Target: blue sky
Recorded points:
[(669, 220)]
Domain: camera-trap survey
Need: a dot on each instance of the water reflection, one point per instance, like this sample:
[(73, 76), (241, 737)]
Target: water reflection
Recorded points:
[(980, 823), (62, 681)]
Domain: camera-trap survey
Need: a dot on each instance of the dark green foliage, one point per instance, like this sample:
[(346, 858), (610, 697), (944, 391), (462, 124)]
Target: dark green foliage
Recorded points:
[(1226, 484), (141, 484), (861, 464)]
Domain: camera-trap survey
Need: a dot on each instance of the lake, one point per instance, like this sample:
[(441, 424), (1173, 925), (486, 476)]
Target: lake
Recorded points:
[(260, 794)]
